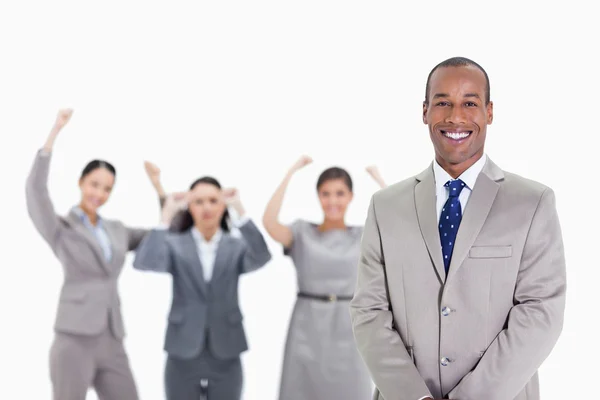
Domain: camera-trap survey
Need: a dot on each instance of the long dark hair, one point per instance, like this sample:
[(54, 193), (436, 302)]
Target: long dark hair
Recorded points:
[(334, 173), (183, 220), (96, 164)]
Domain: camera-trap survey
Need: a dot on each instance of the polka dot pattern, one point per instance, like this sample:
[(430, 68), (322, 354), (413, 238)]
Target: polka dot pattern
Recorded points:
[(450, 219)]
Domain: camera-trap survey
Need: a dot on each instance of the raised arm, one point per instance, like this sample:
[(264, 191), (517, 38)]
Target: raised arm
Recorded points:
[(153, 253), (256, 252), (534, 323), (376, 175), (153, 173), (275, 229), (135, 237), (380, 345), (39, 206)]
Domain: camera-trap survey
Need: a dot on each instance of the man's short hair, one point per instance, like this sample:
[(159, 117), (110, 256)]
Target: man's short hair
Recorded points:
[(459, 62)]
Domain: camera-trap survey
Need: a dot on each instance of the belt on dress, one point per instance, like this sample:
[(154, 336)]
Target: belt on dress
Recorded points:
[(324, 297)]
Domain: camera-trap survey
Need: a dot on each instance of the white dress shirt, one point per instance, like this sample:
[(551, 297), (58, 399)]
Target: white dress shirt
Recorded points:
[(469, 177), (207, 249), (98, 231)]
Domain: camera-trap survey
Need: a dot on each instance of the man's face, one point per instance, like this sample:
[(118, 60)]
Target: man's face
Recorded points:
[(457, 115)]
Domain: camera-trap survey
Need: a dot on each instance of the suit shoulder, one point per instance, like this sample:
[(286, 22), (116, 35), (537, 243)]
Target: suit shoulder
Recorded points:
[(177, 235), (524, 187), (115, 223)]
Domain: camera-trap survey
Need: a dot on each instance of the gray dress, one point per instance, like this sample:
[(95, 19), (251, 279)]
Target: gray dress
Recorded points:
[(321, 359)]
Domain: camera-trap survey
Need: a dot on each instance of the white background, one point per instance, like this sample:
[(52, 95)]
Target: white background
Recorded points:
[(239, 91)]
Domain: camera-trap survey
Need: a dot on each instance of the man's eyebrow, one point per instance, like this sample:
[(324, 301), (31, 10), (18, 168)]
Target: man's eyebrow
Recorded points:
[(441, 95)]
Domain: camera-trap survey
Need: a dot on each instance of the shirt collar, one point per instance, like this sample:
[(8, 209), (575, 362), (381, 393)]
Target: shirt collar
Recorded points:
[(469, 177), (199, 238), (84, 218)]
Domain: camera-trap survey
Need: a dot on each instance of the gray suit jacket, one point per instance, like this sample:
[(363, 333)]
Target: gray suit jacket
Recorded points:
[(89, 297), (201, 308), (482, 331)]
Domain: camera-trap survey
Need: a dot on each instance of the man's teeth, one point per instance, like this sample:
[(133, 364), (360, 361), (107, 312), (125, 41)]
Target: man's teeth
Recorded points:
[(456, 135)]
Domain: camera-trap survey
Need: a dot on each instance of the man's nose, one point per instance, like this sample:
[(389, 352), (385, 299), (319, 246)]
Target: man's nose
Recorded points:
[(456, 116)]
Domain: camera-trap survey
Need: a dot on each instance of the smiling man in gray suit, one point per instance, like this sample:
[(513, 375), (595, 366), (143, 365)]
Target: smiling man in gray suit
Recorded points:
[(461, 285)]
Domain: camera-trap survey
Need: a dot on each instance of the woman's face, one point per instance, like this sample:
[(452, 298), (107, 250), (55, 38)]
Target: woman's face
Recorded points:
[(95, 189), (206, 205), (334, 196)]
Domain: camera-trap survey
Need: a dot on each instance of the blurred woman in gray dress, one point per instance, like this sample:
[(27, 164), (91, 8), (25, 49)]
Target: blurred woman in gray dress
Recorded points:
[(321, 360)]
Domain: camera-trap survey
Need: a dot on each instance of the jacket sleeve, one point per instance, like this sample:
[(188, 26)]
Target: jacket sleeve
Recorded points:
[(256, 253), (534, 323), (379, 344), (154, 253), (135, 237), (39, 206)]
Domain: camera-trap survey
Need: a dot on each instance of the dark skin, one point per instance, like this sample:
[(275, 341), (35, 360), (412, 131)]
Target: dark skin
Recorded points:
[(457, 108)]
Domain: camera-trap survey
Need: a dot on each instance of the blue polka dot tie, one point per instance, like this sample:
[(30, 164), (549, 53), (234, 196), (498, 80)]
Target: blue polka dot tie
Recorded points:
[(450, 220)]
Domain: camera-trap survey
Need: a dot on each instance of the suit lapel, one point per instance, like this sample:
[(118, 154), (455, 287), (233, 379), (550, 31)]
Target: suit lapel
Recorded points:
[(425, 199), (476, 212), (108, 228), (222, 256), (80, 227), (190, 252)]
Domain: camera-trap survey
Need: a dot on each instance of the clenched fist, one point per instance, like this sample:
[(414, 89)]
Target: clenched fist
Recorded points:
[(63, 117), (152, 170), (373, 171), (301, 163), (174, 203), (232, 199)]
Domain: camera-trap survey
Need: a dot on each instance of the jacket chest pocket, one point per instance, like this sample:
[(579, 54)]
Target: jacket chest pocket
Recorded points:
[(490, 252)]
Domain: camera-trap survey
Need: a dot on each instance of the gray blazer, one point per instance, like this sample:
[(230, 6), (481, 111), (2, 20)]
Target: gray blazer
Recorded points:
[(88, 298), (201, 308), (482, 331)]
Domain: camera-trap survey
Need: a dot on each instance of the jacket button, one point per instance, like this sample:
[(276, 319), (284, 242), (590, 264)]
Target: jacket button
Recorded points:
[(446, 311), (445, 361)]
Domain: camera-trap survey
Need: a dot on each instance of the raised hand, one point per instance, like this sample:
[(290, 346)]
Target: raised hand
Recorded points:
[(231, 195), (276, 229), (232, 199), (152, 170), (302, 162), (373, 171), (174, 203), (376, 175), (63, 117), (153, 173)]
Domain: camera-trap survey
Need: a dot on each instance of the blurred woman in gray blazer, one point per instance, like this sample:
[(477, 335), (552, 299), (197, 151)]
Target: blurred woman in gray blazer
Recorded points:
[(205, 335), (88, 346)]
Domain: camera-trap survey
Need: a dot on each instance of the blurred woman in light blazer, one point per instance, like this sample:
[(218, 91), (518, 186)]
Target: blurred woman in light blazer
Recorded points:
[(205, 334), (88, 346)]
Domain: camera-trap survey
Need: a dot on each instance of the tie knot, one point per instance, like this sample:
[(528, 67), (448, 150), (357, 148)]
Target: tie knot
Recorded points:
[(455, 187)]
